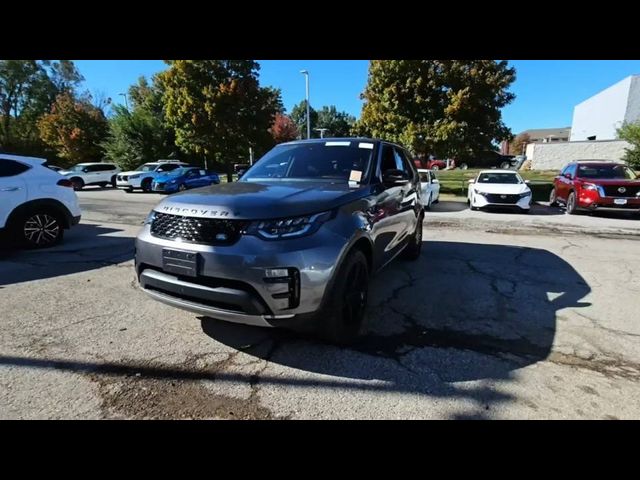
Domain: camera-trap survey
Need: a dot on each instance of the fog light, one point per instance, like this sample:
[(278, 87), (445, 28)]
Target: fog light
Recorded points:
[(276, 272)]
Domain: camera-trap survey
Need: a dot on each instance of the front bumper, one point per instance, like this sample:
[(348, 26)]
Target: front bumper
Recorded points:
[(128, 183), (231, 281), (164, 187), (590, 200)]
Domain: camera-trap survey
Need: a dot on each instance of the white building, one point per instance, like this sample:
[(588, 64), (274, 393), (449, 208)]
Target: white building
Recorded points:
[(598, 117)]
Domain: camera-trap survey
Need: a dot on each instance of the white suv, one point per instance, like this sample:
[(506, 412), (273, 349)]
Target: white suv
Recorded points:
[(144, 175), (84, 174), (36, 203)]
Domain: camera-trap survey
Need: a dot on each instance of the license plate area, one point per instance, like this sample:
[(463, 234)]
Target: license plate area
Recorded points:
[(620, 201), (180, 262)]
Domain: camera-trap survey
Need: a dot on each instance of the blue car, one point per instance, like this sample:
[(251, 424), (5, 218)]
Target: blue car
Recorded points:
[(184, 178)]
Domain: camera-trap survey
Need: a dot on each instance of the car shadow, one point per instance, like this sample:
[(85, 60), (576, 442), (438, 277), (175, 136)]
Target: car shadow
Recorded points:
[(536, 210), (448, 206), (462, 312), (85, 247)]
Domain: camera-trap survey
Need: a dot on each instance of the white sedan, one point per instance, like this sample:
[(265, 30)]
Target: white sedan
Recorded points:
[(499, 188), (430, 187)]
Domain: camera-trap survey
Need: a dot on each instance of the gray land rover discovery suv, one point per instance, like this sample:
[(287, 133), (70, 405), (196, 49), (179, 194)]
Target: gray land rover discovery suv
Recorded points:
[(293, 243)]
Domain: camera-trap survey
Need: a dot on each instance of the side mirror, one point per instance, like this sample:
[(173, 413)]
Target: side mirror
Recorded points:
[(85, 170), (471, 181), (394, 178), (527, 181), (435, 180), (567, 175)]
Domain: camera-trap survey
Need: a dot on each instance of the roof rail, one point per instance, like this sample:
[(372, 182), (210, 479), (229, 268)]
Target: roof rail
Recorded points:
[(169, 161)]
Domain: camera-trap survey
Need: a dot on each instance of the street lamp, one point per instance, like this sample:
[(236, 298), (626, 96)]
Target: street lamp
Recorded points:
[(321, 130), (126, 104), (306, 75)]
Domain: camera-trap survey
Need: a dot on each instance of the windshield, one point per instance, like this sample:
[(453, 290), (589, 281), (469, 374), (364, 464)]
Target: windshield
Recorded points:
[(606, 172), (147, 167), (319, 160), (77, 168), (510, 178)]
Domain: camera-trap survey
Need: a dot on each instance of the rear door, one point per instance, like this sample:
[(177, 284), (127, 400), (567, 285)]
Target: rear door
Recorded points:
[(13, 188)]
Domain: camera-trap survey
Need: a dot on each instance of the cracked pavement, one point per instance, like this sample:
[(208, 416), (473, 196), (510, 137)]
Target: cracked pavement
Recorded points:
[(503, 316)]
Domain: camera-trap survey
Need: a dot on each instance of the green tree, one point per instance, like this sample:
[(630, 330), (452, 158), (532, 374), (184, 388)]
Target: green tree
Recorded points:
[(631, 133), (338, 124), (299, 117), (218, 108), (28, 88), (444, 107), (74, 128), (142, 134)]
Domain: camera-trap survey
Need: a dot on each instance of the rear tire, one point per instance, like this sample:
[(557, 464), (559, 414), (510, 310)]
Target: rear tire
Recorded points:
[(128, 190), (435, 167), (113, 182), (464, 166), (505, 165), (182, 187), (571, 204), (38, 229), (553, 198), (343, 317), (414, 248)]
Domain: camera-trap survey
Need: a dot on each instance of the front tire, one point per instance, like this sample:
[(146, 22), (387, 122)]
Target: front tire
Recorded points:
[(78, 183), (414, 248), (146, 185), (343, 317), (435, 167), (553, 198), (182, 187), (113, 182), (428, 205), (505, 165), (39, 229), (571, 204), (464, 166)]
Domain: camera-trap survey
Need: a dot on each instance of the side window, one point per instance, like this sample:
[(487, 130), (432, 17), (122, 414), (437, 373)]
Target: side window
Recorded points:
[(9, 168), (202, 172), (388, 160), (167, 168), (108, 167), (403, 162), (424, 177), (572, 170), (565, 170)]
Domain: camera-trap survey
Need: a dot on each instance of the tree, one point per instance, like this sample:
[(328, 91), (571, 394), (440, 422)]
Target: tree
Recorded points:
[(443, 107), (299, 117), (218, 108), (631, 133), (74, 128), (28, 88), (283, 129), (516, 146), (142, 134), (338, 124)]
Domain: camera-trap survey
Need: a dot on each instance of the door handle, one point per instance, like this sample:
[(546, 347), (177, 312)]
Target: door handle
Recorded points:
[(10, 189)]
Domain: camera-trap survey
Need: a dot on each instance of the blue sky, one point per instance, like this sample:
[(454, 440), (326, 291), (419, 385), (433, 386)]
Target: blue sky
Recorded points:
[(546, 90)]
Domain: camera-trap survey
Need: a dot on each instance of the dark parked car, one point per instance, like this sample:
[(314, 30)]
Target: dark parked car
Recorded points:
[(293, 243), (487, 159), (596, 185)]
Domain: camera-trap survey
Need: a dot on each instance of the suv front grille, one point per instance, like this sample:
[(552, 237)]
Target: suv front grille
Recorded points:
[(612, 191), (205, 231)]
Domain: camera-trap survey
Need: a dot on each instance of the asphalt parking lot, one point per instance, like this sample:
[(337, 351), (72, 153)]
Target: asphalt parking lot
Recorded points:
[(503, 316)]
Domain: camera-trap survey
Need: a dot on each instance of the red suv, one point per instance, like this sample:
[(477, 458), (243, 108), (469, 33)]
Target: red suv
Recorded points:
[(432, 164), (596, 185)]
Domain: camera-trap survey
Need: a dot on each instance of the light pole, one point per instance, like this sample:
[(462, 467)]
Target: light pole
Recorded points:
[(126, 104), (306, 75), (321, 130)]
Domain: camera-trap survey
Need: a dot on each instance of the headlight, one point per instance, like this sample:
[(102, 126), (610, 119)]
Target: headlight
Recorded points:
[(172, 181), (150, 217), (478, 192), (589, 186), (134, 176), (293, 227), (525, 194)]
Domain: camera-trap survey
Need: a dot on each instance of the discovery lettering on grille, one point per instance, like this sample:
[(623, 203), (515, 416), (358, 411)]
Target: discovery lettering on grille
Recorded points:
[(204, 231), (196, 211)]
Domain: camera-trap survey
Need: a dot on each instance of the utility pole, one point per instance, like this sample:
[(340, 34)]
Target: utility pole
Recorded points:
[(126, 104), (321, 130), (250, 156), (306, 75)]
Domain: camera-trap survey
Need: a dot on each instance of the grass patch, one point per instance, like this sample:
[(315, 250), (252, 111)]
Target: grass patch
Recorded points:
[(456, 182)]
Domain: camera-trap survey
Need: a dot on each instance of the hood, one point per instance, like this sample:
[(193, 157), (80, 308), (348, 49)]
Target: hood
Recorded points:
[(501, 188), (261, 200), (167, 178)]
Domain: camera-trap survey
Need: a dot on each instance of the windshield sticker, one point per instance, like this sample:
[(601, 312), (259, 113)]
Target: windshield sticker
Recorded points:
[(366, 145), (337, 144), (355, 176)]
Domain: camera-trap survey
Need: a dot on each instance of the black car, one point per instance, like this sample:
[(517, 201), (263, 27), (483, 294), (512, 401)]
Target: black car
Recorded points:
[(487, 159)]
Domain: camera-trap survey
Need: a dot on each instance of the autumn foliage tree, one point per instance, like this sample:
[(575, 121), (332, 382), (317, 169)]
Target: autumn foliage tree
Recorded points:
[(516, 147), (446, 107), (283, 129), (74, 128), (218, 108)]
